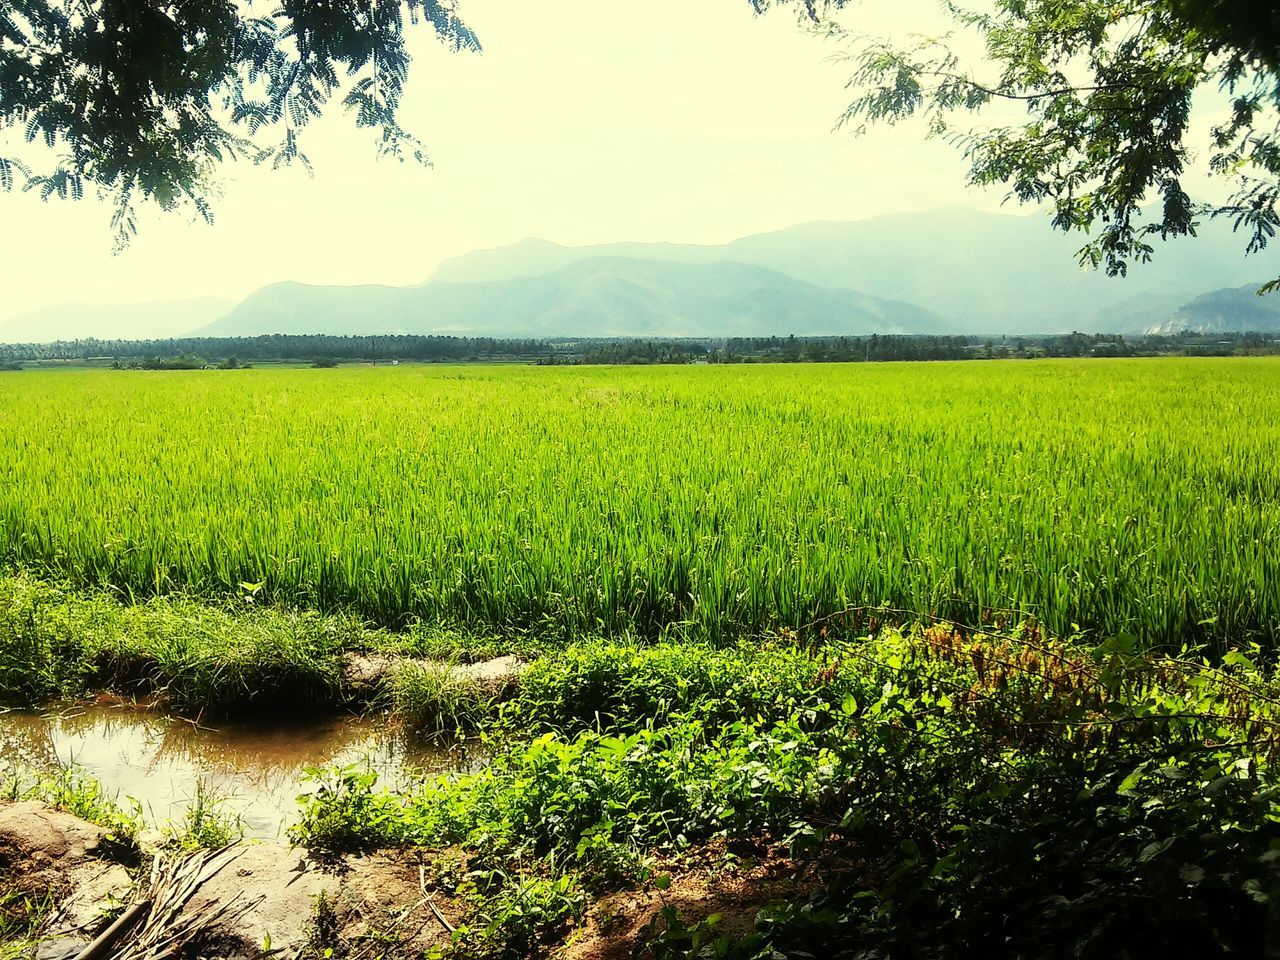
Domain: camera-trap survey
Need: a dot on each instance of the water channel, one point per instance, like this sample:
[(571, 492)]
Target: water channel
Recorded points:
[(161, 760)]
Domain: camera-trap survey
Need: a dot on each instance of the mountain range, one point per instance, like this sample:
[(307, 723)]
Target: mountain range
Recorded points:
[(952, 270), (602, 296), (1233, 310), (980, 272)]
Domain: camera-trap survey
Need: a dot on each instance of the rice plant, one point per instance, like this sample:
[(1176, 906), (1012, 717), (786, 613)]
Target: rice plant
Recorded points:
[(1131, 497)]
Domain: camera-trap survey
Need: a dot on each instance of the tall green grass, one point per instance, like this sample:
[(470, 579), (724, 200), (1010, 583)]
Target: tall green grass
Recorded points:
[(199, 657), (1138, 497)]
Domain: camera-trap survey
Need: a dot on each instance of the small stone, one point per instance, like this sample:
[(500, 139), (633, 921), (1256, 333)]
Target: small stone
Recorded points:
[(61, 948), (38, 832)]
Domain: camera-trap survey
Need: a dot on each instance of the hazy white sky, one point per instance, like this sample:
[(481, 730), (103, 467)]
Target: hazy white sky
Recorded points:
[(583, 121)]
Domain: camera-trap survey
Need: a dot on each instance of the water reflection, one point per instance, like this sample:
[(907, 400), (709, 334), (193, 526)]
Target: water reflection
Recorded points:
[(158, 759)]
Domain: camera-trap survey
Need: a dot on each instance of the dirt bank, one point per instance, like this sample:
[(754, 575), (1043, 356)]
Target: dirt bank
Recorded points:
[(366, 676), (233, 903), (254, 897), (732, 886)]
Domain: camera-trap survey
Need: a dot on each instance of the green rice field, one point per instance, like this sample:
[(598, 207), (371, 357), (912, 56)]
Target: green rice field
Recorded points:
[(1137, 497)]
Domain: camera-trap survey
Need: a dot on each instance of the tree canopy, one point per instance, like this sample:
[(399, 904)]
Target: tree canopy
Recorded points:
[(144, 99), (1108, 88)]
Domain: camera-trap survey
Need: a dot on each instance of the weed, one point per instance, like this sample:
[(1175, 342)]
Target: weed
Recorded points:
[(22, 921), (205, 824), (323, 931), (434, 697), (519, 915)]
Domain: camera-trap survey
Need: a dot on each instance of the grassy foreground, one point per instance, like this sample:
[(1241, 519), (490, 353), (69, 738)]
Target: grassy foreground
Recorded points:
[(1132, 497), (933, 791), (941, 793), (679, 553)]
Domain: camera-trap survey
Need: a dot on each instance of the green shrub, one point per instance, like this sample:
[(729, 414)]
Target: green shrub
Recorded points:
[(999, 796), (607, 685), (575, 799)]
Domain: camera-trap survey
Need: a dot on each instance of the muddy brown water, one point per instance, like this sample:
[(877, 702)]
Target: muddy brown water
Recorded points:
[(160, 761)]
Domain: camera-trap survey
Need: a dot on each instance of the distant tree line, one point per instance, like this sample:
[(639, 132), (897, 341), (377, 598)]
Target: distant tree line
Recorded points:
[(1187, 343), (637, 351), (845, 349), (182, 361), (877, 348), (279, 347), (327, 351)]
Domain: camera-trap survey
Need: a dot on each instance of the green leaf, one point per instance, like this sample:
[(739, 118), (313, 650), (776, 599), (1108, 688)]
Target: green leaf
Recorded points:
[(1132, 780), (1153, 850)]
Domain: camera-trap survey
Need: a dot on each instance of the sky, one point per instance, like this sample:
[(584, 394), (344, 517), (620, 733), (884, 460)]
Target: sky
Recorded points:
[(583, 121)]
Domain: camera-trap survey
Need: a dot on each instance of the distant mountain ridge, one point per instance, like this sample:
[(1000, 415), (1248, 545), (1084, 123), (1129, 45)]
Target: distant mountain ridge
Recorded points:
[(982, 272), (604, 296), (1231, 310), (953, 270)]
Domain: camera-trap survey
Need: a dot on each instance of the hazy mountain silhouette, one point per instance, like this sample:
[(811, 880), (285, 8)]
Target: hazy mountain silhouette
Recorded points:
[(951, 270), (1230, 310), (602, 296), (984, 272)]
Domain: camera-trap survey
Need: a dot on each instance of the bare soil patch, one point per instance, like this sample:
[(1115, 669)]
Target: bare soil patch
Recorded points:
[(735, 884)]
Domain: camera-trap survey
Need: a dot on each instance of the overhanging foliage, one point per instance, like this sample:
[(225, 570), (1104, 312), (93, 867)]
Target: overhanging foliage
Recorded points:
[(1108, 87)]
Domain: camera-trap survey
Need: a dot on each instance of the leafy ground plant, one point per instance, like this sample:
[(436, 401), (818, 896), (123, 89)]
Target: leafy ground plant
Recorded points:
[(1002, 795), (518, 915)]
